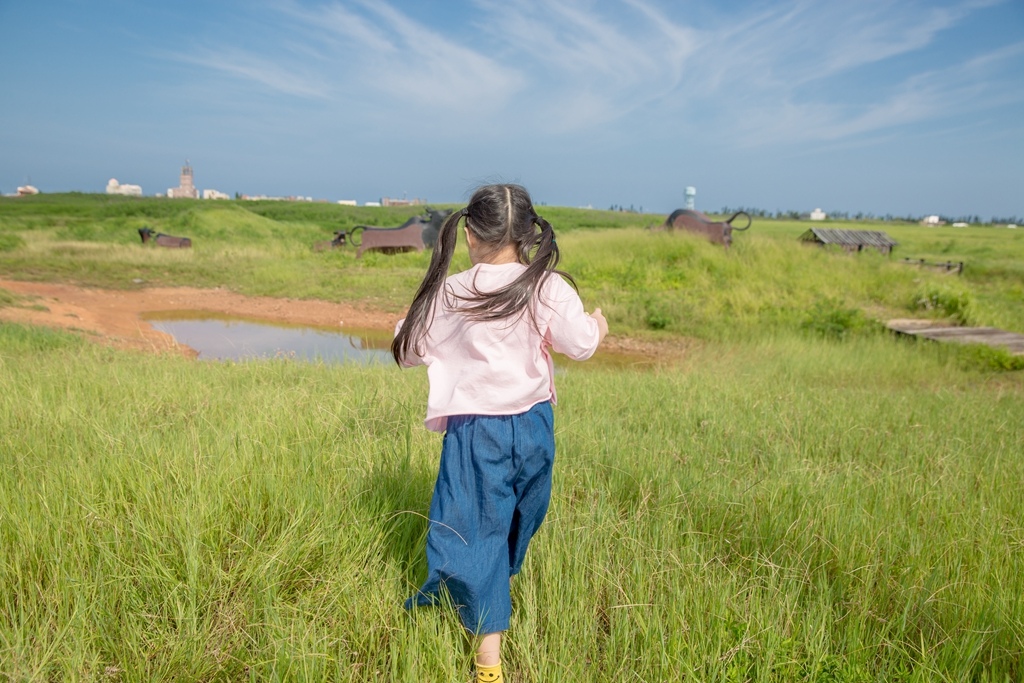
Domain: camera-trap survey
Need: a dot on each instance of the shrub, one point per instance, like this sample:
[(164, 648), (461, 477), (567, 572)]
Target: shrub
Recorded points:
[(657, 314), (945, 300), (830, 319), (981, 357)]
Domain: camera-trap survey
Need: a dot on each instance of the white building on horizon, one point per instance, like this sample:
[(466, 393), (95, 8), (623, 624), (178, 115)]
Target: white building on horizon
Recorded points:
[(214, 194), (818, 215), (114, 187)]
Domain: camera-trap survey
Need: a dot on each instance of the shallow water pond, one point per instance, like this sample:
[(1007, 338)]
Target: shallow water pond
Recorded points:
[(217, 337)]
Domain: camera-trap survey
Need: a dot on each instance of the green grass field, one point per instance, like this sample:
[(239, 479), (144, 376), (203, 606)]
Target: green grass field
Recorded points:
[(802, 498)]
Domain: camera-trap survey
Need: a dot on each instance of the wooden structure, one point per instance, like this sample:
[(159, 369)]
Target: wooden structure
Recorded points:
[(850, 240), (696, 222), (406, 237), (989, 336), (163, 240), (954, 267)]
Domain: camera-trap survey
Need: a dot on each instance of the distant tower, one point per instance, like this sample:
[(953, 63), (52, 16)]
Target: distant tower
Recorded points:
[(186, 185), (186, 177), (691, 196)]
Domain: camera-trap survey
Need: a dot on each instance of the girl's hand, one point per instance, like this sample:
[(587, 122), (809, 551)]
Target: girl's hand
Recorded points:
[(602, 324)]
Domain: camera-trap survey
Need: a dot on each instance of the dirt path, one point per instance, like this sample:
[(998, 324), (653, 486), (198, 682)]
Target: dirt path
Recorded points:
[(115, 317)]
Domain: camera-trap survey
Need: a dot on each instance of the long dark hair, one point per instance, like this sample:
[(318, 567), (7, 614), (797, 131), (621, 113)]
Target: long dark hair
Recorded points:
[(497, 215)]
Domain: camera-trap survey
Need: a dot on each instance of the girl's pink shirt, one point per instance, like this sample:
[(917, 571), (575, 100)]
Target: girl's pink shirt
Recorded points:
[(499, 367)]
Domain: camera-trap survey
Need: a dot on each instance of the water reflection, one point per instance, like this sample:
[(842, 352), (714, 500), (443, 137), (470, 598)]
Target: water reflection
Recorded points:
[(219, 337), (216, 337)]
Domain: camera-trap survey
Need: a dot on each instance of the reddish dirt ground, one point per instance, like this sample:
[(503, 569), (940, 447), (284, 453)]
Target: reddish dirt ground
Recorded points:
[(116, 317)]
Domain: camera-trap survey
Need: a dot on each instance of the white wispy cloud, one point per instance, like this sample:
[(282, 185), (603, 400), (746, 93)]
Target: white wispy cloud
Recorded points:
[(437, 68), (781, 71), (288, 79), (766, 74), (348, 50), (821, 40), (940, 94), (587, 68)]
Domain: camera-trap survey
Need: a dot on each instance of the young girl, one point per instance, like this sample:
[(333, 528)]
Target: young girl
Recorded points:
[(486, 336)]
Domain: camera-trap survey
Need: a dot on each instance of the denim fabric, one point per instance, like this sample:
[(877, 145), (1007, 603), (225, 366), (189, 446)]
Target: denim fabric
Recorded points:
[(491, 495)]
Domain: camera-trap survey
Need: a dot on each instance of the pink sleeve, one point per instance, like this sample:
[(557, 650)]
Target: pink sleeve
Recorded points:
[(568, 329)]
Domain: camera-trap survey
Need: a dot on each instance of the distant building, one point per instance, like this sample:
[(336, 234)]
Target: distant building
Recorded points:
[(388, 201), (214, 194), (26, 190), (186, 188), (818, 215), (960, 225), (932, 220), (347, 202), (691, 198), (849, 240), (114, 187), (372, 204)]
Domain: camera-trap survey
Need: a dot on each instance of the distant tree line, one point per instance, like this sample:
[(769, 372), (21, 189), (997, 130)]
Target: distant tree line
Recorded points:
[(868, 216)]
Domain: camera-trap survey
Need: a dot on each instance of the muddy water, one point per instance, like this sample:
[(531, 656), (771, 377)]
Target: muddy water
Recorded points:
[(218, 337)]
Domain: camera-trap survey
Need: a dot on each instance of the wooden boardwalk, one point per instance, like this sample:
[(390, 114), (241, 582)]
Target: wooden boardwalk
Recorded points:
[(990, 336)]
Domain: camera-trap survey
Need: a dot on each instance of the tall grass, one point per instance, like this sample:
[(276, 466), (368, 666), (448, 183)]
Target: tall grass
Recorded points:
[(802, 497), (773, 511), (679, 283), (648, 282)]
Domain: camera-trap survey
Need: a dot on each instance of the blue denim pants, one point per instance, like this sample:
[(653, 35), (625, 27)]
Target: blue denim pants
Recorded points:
[(491, 495)]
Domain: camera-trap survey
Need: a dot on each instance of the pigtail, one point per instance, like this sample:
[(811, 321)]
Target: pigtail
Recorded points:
[(420, 312), (540, 255), (547, 255), (497, 215)]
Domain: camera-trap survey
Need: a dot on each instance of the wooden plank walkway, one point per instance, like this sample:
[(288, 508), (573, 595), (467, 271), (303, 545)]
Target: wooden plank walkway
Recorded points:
[(990, 336)]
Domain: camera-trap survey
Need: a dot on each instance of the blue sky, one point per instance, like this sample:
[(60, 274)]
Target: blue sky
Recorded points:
[(885, 107)]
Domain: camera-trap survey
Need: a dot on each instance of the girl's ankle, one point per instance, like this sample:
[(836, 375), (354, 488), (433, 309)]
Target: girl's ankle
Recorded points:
[(489, 673)]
